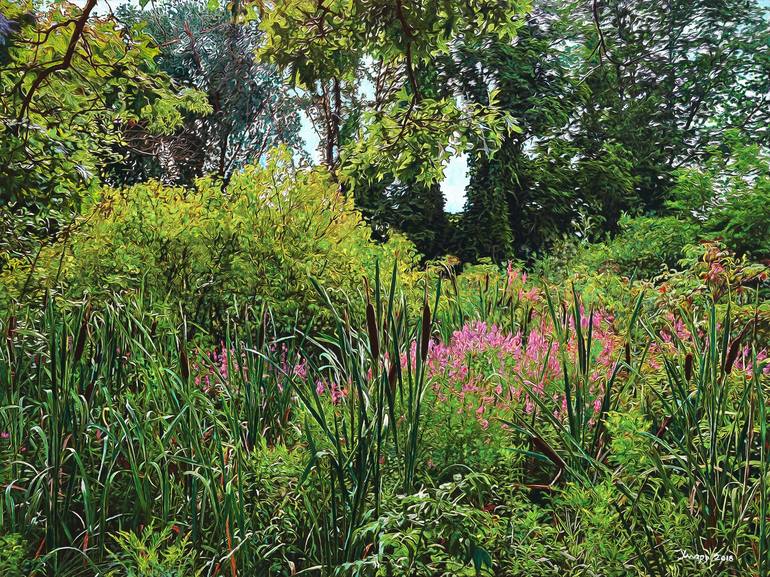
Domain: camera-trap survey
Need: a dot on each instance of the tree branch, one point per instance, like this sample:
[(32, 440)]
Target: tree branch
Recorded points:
[(80, 25)]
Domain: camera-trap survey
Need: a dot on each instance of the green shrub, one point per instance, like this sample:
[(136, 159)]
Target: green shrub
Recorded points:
[(153, 554), (729, 196), (643, 248), (209, 251), (15, 559), (441, 531)]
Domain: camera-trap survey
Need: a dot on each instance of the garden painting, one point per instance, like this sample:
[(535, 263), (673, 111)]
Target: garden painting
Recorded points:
[(384, 288)]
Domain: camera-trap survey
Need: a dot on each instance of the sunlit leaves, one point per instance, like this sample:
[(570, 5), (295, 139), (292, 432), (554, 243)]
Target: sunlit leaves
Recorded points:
[(404, 123), (71, 81), (423, 135), (275, 227)]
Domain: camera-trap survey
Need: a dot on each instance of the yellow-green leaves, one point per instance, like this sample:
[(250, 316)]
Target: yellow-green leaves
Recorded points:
[(260, 241)]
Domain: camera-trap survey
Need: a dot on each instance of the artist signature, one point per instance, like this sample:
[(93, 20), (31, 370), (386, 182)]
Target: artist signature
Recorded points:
[(709, 557)]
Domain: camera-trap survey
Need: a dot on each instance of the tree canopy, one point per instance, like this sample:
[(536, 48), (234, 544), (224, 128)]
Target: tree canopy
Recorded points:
[(71, 83), (572, 116)]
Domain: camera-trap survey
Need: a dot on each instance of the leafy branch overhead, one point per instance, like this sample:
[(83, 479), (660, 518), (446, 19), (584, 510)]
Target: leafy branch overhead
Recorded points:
[(71, 81), (372, 62)]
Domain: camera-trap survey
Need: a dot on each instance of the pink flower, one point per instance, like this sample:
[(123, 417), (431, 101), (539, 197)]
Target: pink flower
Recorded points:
[(715, 271), (481, 365), (300, 370), (511, 273), (338, 393), (529, 406)]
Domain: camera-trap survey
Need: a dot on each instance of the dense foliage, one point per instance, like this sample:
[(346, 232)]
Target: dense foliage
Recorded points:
[(208, 254), (70, 81), (510, 427), (223, 353)]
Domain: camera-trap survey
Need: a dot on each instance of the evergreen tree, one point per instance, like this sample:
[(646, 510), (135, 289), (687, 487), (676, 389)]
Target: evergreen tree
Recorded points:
[(388, 145), (413, 207), (486, 230), (507, 211)]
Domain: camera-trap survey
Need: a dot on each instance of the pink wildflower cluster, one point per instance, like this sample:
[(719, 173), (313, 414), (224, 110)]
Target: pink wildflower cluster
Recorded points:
[(676, 331), (294, 366), (226, 362), (485, 368), (515, 284), (745, 364), (336, 392)]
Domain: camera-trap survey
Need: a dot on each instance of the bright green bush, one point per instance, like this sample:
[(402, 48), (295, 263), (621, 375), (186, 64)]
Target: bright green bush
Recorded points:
[(152, 554), (15, 557), (729, 197), (208, 251), (643, 247)]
